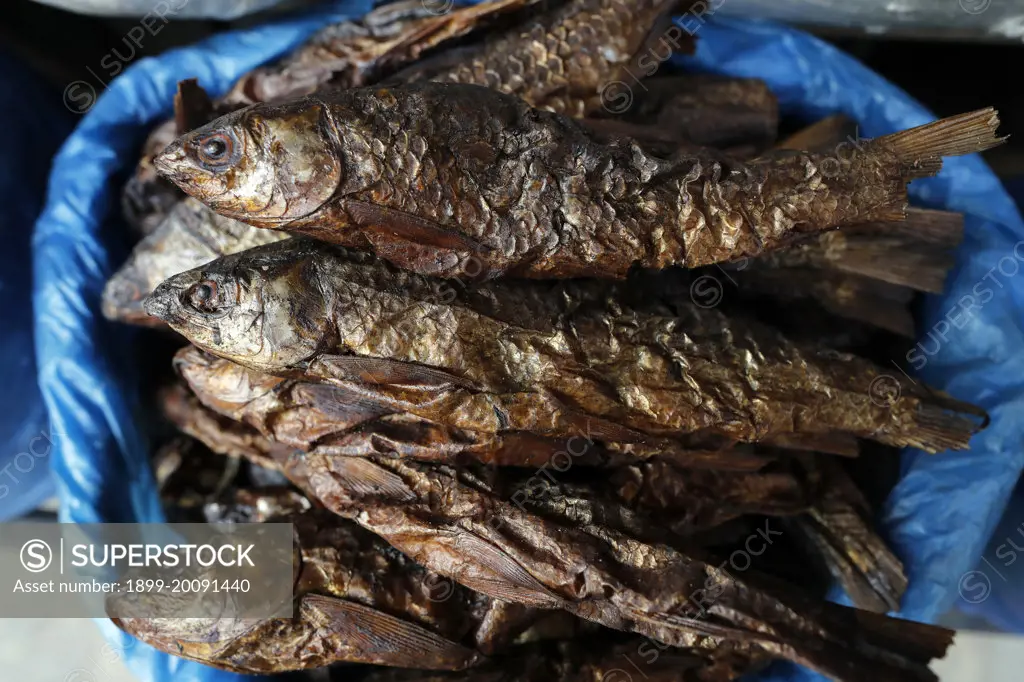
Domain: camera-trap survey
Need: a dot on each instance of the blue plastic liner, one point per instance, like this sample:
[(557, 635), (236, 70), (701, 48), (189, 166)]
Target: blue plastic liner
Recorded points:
[(940, 515), (34, 123)]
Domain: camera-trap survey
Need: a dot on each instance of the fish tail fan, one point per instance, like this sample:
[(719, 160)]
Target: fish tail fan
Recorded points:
[(853, 554), (927, 227), (942, 423), (920, 150), (871, 647)]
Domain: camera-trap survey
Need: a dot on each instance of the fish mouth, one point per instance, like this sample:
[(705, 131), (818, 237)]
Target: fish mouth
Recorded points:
[(174, 165), (169, 162), (158, 305)]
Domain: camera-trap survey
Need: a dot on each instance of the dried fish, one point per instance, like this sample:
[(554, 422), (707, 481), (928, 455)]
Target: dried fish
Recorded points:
[(358, 600), (436, 176), (564, 60), (190, 235), (220, 434), (341, 422), (456, 526), (494, 359), (343, 55), (837, 530), (355, 53)]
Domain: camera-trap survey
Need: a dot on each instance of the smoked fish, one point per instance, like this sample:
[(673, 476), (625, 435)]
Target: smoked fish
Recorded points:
[(453, 523), (357, 600), (555, 359), (451, 179)]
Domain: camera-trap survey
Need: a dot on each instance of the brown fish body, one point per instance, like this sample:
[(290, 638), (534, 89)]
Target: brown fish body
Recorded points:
[(355, 53), (350, 584), (562, 60), (461, 529), (472, 359), (344, 55), (451, 179), (334, 421), (252, 414)]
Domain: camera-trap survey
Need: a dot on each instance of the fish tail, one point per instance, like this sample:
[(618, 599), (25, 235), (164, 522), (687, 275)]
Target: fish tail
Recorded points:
[(916, 252), (920, 150), (853, 554), (922, 418), (941, 423), (872, 647), (927, 227)]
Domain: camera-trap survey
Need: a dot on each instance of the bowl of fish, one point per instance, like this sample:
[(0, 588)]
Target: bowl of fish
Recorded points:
[(580, 340)]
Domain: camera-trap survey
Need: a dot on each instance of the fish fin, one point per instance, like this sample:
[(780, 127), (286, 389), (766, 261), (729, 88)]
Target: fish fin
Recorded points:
[(508, 580), (822, 136), (192, 106), (360, 476), (369, 370), (854, 555), (942, 423), (841, 444), (919, 642), (344, 408), (892, 259), (916, 252), (873, 646), (596, 428), (928, 227), (390, 223), (921, 149), (697, 623), (371, 636)]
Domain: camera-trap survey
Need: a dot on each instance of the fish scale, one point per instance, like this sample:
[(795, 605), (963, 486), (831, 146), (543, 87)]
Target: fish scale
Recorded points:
[(572, 203), (543, 357)]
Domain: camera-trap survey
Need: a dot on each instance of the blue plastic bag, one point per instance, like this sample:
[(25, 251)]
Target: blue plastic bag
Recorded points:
[(942, 511), (34, 124)]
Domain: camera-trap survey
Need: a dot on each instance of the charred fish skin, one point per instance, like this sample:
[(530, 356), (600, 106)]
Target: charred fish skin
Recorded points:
[(454, 357), (432, 175)]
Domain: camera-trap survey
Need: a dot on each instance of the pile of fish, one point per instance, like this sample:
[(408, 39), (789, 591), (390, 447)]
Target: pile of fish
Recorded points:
[(447, 311)]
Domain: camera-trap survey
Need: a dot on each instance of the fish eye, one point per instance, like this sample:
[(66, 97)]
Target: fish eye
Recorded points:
[(217, 150), (203, 296)]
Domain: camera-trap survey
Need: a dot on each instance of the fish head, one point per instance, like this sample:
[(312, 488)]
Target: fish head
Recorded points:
[(267, 164), (260, 308)]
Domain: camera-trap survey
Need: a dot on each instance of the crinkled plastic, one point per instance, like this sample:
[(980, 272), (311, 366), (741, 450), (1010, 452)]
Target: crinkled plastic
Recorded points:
[(939, 516), (994, 589), (34, 124)]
